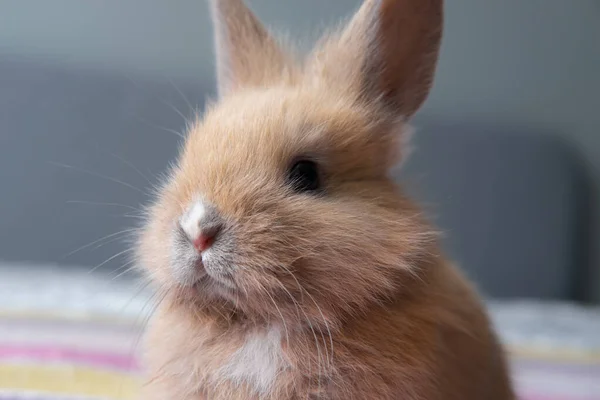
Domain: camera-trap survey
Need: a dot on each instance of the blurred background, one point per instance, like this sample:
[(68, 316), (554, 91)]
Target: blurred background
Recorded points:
[(93, 94)]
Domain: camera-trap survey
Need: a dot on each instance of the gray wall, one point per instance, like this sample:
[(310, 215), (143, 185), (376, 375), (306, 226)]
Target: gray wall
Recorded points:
[(532, 64)]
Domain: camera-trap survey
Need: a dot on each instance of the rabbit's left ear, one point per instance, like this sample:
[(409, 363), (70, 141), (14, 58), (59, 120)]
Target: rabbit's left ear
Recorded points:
[(247, 55), (388, 51)]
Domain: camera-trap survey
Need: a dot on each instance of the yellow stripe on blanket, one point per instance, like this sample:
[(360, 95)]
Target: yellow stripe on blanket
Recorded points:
[(556, 355), (69, 381)]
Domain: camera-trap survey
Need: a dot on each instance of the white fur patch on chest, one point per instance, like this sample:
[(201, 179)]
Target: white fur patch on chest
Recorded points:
[(257, 362)]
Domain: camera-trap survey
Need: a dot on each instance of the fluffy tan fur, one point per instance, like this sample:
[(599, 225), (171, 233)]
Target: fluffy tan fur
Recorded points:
[(340, 295)]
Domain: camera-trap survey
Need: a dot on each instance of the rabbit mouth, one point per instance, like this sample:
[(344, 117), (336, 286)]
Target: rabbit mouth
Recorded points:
[(212, 275)]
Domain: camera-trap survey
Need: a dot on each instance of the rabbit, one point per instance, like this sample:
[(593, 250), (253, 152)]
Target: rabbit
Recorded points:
[(287, 261)]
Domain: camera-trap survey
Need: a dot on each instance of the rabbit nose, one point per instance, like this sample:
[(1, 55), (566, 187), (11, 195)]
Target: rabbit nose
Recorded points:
[(201, 224), (206, 238), (203, 242)]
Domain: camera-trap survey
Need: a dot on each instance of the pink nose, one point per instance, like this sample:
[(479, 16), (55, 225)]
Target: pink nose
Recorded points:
[(204, 241)]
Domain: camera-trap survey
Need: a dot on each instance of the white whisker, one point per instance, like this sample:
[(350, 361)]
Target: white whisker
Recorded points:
[(130, 164), (189, 104), (112, 235), (326, 326), (96, 203), (98, 175), (109, 259), (162, 128), (125, 269)]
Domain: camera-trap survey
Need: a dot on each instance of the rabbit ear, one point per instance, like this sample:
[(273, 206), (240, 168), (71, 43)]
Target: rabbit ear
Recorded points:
[(388, 50), (246, 53)]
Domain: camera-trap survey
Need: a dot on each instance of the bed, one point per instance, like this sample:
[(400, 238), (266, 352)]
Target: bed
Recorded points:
[(71, 334)]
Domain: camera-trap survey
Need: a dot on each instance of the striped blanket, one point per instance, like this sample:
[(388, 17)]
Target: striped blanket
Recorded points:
[(44, 357), (70, 335)]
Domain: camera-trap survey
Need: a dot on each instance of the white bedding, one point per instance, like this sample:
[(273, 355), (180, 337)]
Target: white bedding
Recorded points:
[(554, 346)]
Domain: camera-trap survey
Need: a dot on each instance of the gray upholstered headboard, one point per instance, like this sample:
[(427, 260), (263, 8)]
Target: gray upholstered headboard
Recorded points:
[(511, 203), (508, 201)]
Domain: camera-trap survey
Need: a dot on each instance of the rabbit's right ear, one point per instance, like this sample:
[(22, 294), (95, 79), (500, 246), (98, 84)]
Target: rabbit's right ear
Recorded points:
[(388, 51), (247, 54)]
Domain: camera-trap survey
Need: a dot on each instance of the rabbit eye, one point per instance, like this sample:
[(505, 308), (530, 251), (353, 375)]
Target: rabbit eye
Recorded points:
[(304, 176)]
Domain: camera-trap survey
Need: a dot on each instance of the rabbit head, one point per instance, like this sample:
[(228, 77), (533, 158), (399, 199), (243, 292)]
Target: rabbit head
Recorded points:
[(280, 205)]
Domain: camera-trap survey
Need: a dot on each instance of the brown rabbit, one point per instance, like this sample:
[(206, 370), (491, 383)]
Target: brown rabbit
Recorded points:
[(288, 263)]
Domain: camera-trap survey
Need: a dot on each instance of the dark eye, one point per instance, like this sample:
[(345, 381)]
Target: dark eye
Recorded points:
[(304, 176)]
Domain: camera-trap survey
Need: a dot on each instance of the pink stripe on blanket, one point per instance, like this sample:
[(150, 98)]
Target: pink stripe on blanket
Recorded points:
[(536, 397), (65, 355)]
